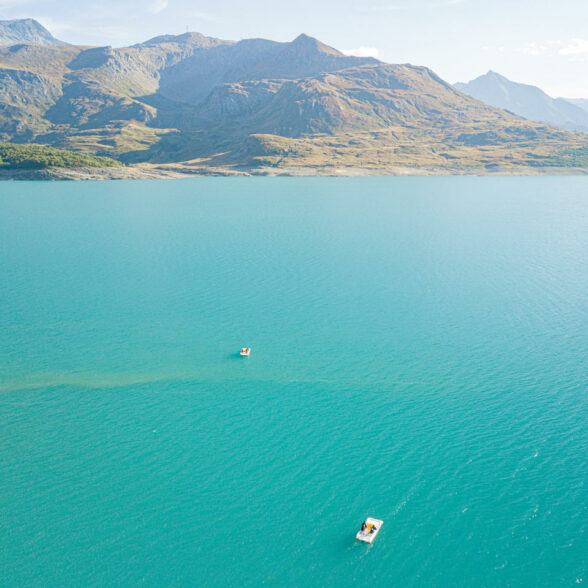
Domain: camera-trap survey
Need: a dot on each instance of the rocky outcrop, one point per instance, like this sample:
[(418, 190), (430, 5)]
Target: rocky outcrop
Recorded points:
[(26, 30)]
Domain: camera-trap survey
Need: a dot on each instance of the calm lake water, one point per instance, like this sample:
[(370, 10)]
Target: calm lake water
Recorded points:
[(419, 355)]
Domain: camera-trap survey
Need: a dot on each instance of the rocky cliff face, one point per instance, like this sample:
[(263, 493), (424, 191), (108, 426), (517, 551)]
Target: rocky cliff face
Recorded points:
[(24, 98)]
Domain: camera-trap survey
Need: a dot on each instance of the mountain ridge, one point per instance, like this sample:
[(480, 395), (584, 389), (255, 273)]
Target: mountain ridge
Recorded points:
[(257, 102), (525, 100)]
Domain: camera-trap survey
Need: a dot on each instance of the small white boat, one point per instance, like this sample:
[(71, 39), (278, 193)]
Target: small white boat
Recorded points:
[(245, 351), (369, 529)]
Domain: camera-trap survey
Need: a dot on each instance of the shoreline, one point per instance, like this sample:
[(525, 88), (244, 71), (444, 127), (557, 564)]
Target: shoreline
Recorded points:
[(178, 171)]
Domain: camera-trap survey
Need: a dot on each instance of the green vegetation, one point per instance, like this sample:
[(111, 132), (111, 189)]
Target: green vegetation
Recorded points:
[(571, 158), (14, 156)]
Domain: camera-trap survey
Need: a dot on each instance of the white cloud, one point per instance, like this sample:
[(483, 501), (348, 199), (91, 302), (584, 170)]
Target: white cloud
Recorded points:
[(574, 50), (363, 52), (577, 49), (533, 48), (157, 6)]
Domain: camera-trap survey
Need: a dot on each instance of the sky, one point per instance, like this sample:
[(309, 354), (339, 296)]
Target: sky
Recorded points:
[(539, 42)]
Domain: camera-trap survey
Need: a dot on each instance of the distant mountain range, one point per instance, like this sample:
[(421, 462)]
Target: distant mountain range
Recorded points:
[(581, 102), (26, 31), (528, 101), (255, 103)]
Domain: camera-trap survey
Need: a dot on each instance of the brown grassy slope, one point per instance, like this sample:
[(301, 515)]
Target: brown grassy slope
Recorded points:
[(374, 116)]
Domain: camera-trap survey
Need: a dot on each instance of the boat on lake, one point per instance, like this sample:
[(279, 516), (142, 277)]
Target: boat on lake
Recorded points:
[(245, 351), (369, 529)]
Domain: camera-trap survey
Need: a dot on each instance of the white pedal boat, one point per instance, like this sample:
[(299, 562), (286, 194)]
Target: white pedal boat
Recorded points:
[(245, 351), (369, 530)]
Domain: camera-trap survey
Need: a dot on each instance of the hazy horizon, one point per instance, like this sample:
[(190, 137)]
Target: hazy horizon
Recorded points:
[(527, 41)]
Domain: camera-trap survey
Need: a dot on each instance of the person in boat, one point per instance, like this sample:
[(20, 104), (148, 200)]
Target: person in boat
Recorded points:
[(373, 529), (363, 526)]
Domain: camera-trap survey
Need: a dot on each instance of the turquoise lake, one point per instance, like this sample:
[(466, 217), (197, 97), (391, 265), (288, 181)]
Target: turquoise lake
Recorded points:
[(419, 355)]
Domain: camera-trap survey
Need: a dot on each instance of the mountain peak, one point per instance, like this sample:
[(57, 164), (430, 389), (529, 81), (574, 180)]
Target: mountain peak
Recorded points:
[(303, 38), (191, 38), (308, 43), (525, 100), (495, 75), (26, 30)]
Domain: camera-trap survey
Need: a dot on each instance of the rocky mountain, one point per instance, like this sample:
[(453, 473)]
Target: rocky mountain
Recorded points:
[(252, 60), (25, 31), (212, 102), (527, 101)]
